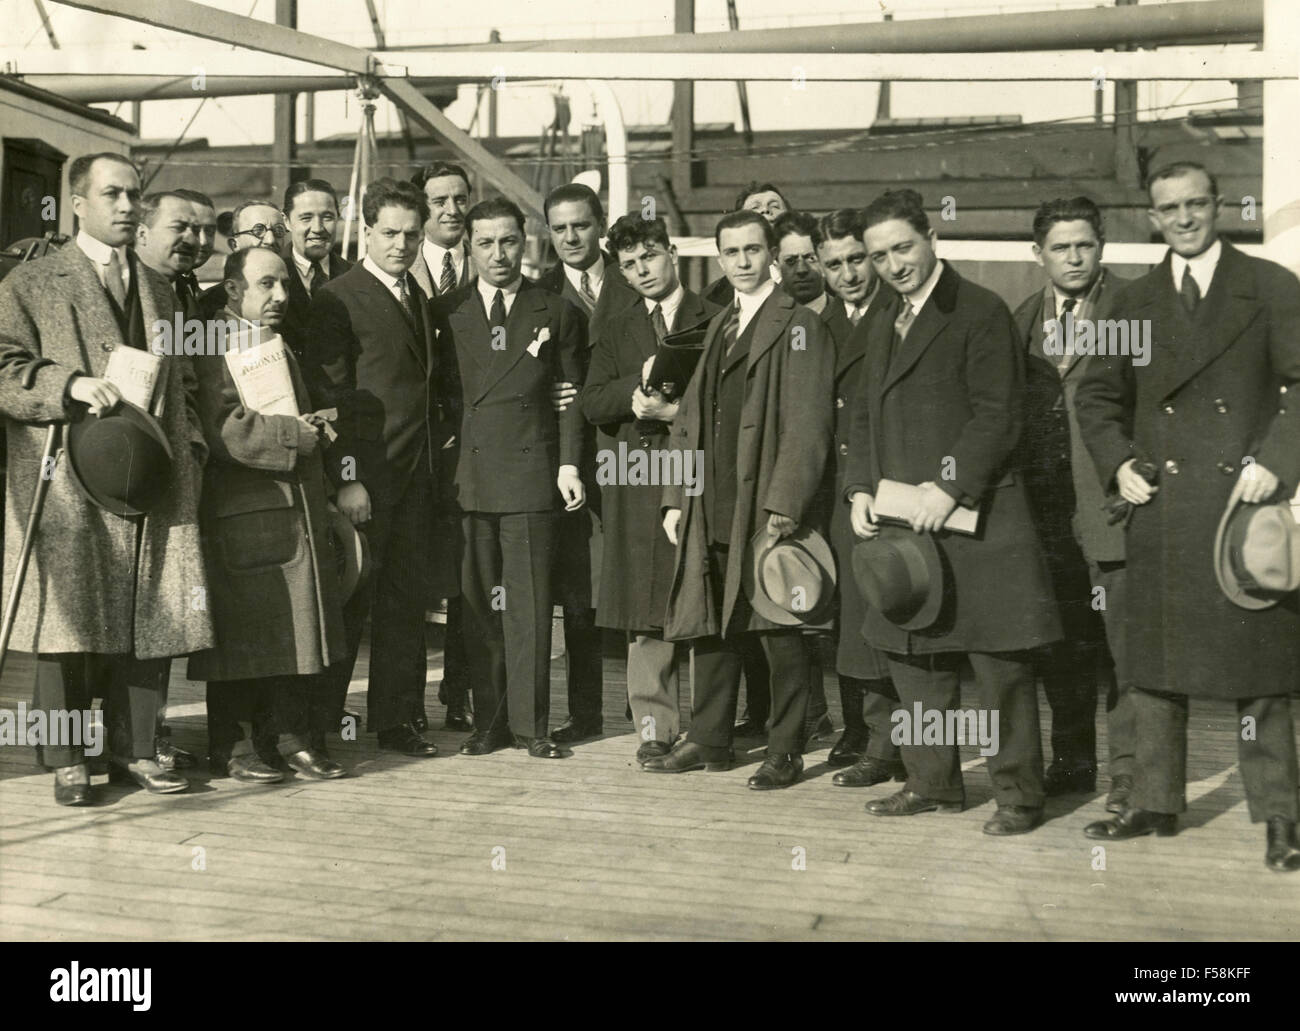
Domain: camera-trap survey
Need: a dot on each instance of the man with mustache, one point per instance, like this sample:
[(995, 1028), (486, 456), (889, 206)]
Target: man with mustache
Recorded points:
[(275, 591), (369, 348), (444, 263), (205, 217), (796, 257), (253, 223), (596, 288)]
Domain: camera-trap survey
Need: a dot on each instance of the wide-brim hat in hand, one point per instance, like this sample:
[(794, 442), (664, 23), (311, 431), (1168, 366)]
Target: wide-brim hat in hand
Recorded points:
[(351, 553), (790, 580), (1256, 552), (120, 459), (900, 574)]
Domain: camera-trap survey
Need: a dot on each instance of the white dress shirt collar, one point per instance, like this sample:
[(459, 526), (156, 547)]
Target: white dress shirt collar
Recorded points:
[(1202, 266), (303, 265), (488, 292), (669, 304), (917, 300), (101, 254), (750, 303), (433, 254), (818, 303), (595, 276)]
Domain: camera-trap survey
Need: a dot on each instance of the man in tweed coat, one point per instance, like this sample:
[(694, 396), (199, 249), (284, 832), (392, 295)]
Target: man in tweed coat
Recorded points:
[(108, 599)]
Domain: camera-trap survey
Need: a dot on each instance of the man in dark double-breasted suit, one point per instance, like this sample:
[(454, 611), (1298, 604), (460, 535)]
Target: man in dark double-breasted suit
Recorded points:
[(590, 282), (370, 354), (1084, 548), (757, 417), (939, 407), (632, 427), (504, 342), (1207, 401), (311, 210), (866, 693)]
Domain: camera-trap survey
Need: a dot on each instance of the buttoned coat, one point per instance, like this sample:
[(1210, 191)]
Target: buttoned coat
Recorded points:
[(1067, 497), (275, 587), (512, 442), (854, 657), (637, 563), (1215, 396), (947, 409), (86, 589), (783, 441)]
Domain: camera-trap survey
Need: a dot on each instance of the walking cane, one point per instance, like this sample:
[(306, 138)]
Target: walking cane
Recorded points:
[(33, 517)]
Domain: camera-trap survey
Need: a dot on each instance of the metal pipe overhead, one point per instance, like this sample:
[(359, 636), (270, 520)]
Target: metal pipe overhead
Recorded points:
[(1172, 24), (104, 90)]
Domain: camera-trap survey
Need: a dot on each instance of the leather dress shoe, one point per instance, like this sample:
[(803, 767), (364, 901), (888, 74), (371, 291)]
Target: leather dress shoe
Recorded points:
[(1069, 778), (419, 719), (484, 741), (314, 765), (750, 727), (651, 750), (1133, 823), (909, 803), (868, 771), (458, 717), (149, 775), (1121, 787), (777, 771), (540, 747), (572, 731), (849, 748), (251, 768), (1013, 819), (687, 755), (72, 785), (1283, 853), (169, 757), (406, 740)]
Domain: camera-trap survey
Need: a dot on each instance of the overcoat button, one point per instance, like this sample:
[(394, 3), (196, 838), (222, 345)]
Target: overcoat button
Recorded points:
[(1171, 467), (839, 402), (844, 449), (1167, 408)]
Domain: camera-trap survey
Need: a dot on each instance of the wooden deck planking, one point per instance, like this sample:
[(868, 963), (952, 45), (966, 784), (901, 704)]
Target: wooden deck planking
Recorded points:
[(597, 849)]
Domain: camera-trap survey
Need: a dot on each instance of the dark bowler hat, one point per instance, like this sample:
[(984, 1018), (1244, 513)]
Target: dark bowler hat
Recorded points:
[(351, 552), (789, 580), (120, 459), (900, 574), (1257, 553)]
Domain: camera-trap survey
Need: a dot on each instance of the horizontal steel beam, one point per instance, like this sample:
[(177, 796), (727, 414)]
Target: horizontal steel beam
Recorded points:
[(89, 89), (1173, 24)]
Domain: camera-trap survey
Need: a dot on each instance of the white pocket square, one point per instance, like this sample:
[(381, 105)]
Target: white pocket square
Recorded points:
[(543, 335)]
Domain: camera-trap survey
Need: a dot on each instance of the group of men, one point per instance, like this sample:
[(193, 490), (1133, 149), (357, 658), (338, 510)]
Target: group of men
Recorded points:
[(456, 414)]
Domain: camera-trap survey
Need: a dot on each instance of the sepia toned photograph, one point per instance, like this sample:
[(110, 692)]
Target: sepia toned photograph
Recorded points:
[(705, 470)]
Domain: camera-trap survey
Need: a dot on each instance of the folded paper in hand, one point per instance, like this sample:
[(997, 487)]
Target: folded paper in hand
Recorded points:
[(675, 361), (262, 377), (896, 503), (135, 373)]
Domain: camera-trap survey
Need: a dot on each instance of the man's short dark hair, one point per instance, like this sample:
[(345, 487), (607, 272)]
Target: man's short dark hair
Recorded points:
[(496, 207), (574, 193), (632, 231), (798, 223), (1066, 209), (225, 223), (308, 186), (757, 187), (194, 197), (151, 202), (841, 223), (436, 171), (903, 204), (1174, 169), (79, 172), (390, 193), (234, 266), (744, 217)]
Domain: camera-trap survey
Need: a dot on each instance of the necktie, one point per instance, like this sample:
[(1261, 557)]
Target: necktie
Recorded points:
[(186, 288), (113, 279), (904, 321), (404, 295), (657, 320), (855, 316), (1063, 359), (1191, 293), (731, 330), (315, 276), (497, 316), (584, 288), (447, 280)]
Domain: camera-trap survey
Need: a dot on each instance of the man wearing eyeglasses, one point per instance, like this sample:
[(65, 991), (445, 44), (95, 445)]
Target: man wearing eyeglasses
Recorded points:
[(254, 223)]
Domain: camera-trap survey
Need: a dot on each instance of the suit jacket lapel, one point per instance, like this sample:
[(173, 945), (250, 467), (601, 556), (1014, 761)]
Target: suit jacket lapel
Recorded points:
[(420, 271), (473, 339), (770, 322), (521, 324), (91, 302), (928, 324), (690, 313), (383, 297)]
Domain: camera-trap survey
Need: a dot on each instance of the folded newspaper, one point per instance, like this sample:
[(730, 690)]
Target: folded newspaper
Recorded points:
[(896, 503), (261, 373), (135, 373)]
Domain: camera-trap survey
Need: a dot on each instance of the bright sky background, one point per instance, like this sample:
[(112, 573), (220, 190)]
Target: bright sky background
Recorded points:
[(526, 108)]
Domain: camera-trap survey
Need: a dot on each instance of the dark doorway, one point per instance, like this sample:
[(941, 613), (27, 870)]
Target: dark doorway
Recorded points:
[(33, 172)]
